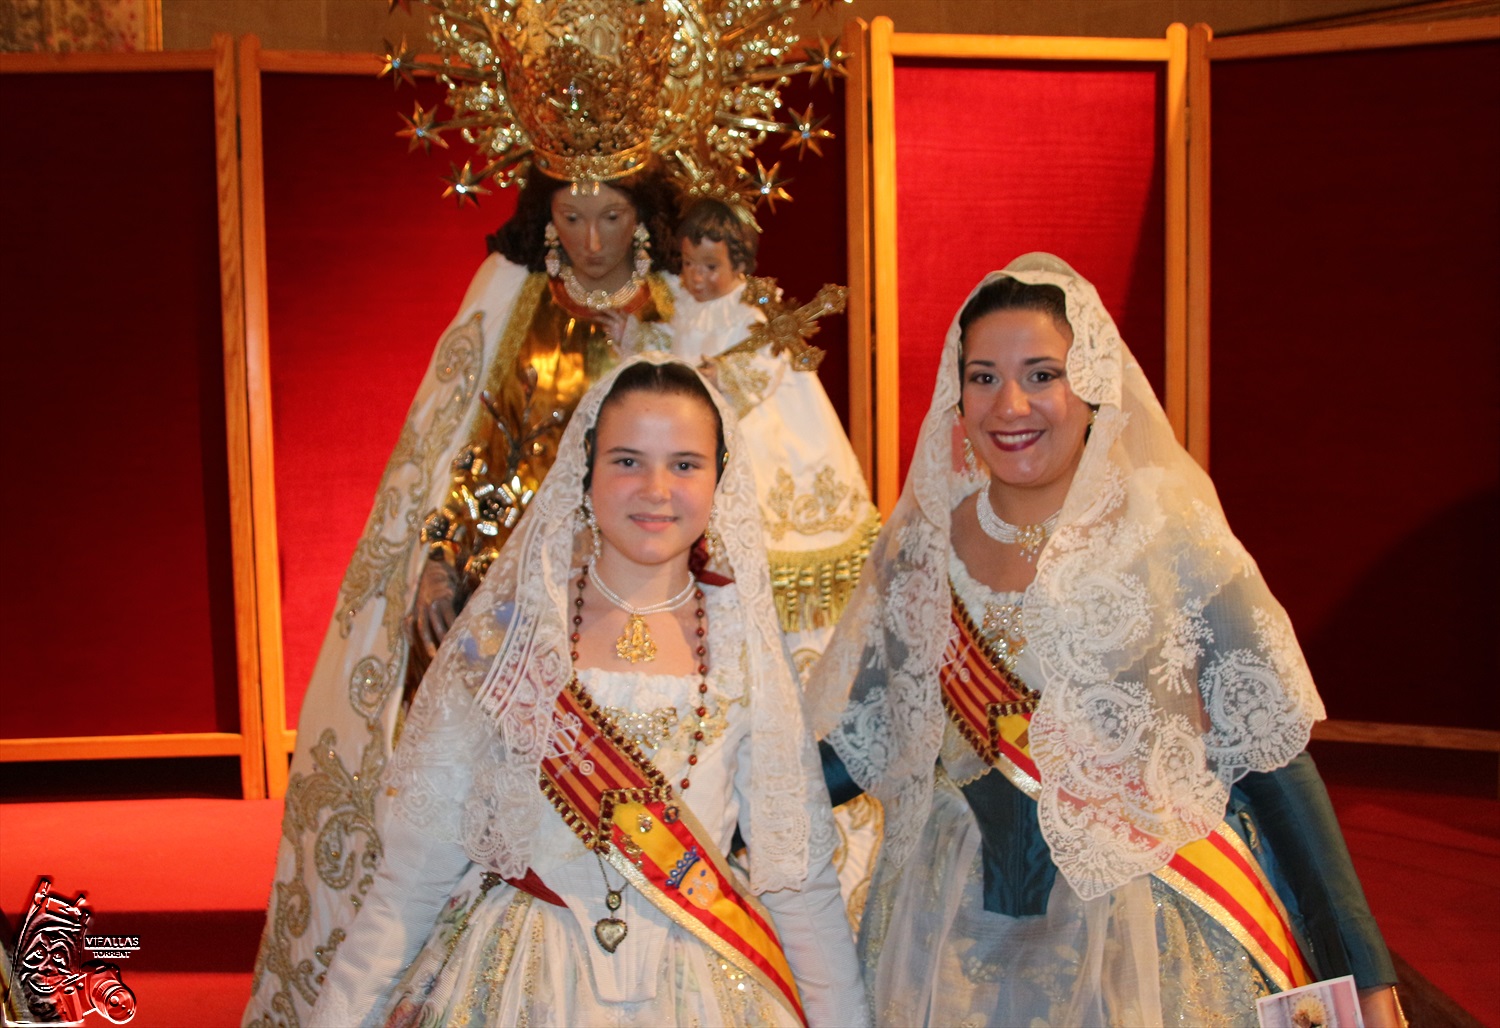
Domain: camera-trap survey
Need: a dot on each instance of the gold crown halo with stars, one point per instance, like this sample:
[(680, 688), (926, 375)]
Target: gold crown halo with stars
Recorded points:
[(591, 90)]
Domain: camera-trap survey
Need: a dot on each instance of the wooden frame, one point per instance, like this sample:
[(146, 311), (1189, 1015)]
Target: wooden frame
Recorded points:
[(1203, 50), (247, 742), (861, 261), (874, 196), (279, 739)]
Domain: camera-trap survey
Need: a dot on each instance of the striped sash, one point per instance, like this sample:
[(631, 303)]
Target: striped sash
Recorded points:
[(992, 711), (622, 807)]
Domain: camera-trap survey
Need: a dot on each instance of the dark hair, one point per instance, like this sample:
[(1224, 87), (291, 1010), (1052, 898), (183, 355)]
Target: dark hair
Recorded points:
[(521, 240), (715, 221), (669, 379), (1008, 294)]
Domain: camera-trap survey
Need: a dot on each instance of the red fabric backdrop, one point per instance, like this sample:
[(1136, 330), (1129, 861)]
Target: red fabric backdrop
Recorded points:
[(804, 244), (118, 612), (996, 159), (366, 267), (1356, 364)]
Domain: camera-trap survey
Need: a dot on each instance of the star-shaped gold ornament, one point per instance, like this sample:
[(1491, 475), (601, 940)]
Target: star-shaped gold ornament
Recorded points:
[(807, 130), (421, 129), (399, 61), (464, 185), (826, 62), (769, 185)]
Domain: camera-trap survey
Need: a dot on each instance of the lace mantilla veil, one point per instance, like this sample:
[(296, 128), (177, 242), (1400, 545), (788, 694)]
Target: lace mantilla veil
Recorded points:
[(1168, 670), (467, 766)]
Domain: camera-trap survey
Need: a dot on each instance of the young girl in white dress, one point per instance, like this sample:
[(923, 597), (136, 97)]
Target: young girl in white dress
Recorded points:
[(602, 716)]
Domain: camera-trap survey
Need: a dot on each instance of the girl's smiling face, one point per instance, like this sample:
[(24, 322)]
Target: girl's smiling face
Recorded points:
[(654, 475)]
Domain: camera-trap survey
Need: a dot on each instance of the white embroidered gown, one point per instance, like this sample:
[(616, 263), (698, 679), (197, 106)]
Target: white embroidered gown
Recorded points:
[(1138, 955), (434, 946)]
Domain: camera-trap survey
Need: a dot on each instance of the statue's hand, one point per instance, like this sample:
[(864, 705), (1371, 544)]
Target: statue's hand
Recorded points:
[(437, 603)]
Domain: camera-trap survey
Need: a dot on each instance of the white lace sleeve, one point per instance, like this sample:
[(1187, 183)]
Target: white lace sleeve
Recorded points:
[(414, 882), (431, 773)]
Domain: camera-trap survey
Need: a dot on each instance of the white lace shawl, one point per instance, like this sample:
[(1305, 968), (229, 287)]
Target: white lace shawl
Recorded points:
[(1167, 669), (468, 762)]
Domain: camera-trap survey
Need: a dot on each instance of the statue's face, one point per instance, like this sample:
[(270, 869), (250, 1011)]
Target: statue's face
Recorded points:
[(596, 225)]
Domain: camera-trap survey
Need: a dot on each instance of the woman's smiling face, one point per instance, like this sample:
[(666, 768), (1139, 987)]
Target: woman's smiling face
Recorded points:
[(1020, 415)]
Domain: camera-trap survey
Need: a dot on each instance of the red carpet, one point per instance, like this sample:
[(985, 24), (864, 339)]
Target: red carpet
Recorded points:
[(1430, 865), (190, 876)]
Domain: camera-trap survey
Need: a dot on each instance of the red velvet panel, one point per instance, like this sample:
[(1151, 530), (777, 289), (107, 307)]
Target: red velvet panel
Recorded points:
[(118, 610), (1356, 364), (804, 243), (366, 265), (996, 159)]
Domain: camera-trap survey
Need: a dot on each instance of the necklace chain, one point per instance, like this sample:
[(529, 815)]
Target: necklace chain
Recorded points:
[(700, 712), (1031, 538), (635, 643), (596, 299), (609, 929)]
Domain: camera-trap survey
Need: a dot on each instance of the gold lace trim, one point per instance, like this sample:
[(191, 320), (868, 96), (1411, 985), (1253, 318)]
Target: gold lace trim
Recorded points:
[(812, 587)]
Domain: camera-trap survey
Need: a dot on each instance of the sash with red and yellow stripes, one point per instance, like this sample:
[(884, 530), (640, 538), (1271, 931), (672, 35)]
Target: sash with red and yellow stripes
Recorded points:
[(622, 807), (992, 711)]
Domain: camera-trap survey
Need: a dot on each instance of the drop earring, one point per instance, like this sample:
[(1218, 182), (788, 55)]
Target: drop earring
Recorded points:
[(592, 524), (642, 251), (554, 251), (971, 462)]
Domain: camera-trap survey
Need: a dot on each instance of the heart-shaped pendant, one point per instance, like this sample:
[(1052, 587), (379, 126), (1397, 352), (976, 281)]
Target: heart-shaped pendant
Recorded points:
[(610, 931)]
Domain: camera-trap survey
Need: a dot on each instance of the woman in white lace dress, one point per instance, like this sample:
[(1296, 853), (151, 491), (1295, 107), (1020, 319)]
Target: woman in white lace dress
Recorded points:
[(605, 711), (1082, 709)]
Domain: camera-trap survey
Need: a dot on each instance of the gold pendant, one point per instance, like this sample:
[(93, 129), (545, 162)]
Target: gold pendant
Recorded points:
[(635, 643), (1031, 539)]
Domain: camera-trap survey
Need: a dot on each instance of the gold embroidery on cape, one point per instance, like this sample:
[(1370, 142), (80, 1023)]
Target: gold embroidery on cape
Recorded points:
[(349, 800), (381, 560), (812, 587), (856, 820), (813, 512), (743, 381)]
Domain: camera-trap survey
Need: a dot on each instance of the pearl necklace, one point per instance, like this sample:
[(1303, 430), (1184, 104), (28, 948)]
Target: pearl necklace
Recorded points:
[(1031, 538), (635, 643), (596, 299)]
